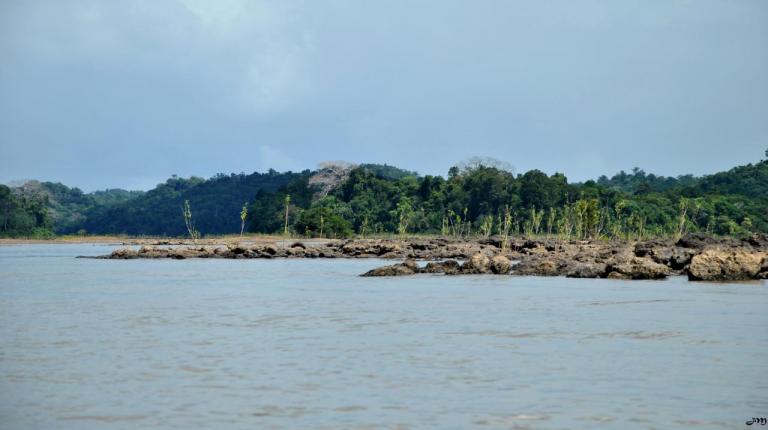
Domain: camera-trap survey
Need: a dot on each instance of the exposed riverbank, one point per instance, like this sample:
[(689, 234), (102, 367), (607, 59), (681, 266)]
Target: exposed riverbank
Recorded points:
[(697, 256)]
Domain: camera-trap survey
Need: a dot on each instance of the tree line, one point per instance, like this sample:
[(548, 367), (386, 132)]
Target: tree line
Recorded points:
[(485, 199), (482, 197)]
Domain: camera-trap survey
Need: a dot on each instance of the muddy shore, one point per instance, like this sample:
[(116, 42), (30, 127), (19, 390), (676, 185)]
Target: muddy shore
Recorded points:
[(697, 256)]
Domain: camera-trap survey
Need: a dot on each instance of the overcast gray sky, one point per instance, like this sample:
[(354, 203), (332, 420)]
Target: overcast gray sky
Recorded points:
[(100, 94)]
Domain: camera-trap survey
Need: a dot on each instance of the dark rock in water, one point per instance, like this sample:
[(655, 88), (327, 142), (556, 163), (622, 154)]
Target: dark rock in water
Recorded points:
[(617, 275), (500, 265), (638, 268), (403, 269), (764, 264), (411, 264), (679, 258), (726, 265), (587, 270), (237, 249), (123, 254), (539, 267), (477, 264), (449, 267), (433, 267), (763, 269), (729, 259)]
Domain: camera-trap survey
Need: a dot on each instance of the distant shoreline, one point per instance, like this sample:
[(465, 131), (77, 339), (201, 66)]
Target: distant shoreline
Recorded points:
[(127, 240)]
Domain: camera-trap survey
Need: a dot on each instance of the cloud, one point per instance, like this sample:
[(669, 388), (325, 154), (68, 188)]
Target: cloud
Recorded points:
[(198, 87)]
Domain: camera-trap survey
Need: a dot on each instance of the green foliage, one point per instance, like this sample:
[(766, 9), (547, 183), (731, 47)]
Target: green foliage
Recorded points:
[(627, 206), (243, 217), (387, 172), (326, 218), (480, 197), (189, 222), (156, 212), (24, 214)]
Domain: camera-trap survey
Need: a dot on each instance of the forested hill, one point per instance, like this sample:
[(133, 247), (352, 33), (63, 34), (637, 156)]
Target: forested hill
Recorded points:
[(40, 209), (486, 199), (216, 204), (482, 198)]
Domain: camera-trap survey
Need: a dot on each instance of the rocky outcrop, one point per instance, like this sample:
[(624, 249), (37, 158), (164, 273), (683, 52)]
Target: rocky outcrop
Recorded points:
[(722, 264), (636, 268), (716, 258), (478, 264), (763, 269), (500, 265), (587, 270), (540, 267), (448, 267), (408, 267)]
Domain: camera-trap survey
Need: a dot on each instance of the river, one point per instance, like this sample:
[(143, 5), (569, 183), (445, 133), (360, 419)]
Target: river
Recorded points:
[(246, 344)]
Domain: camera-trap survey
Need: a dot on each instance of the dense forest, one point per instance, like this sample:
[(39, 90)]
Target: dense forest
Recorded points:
[(482, 197)]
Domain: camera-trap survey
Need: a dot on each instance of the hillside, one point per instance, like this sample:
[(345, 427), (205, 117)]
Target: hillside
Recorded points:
[(216, 204), (345, 199), (481, 199)]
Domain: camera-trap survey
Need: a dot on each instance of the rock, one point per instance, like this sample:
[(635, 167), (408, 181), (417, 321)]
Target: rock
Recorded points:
[(421, 246), (411, 264), (638, 268), (237, 249), (725, 265), (152, 252), (500, 265), (389, 249), (449, 267), (650, 247), (402, 269), (666, 253), (298, 245), (433, 267), (538, 267), (617, 275), (587, 270), (763, 269), (696, 241), (123, 254), (494, 240), (477, 264), (759, 241), (680, 258)]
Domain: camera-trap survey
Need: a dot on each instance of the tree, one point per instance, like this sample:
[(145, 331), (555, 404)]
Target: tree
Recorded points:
[(243, 217), (287, 204), (186, 211)]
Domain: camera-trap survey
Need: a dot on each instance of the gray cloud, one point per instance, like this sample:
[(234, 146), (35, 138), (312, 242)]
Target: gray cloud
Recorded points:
[(98, 94)]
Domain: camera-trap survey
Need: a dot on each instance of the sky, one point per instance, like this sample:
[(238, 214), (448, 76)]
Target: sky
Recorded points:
[(100, 94)]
